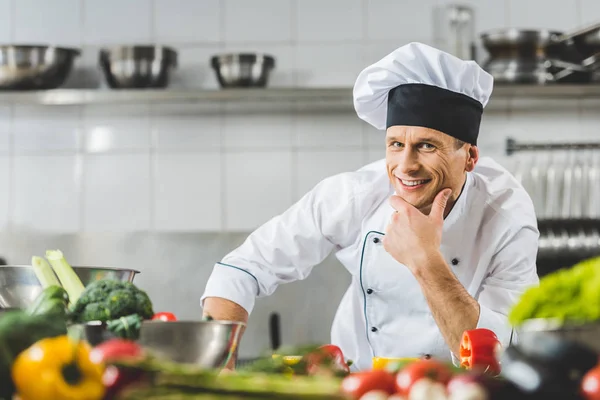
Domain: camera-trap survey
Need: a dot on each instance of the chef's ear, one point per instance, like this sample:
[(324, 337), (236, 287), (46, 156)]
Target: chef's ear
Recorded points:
[(472, 157)]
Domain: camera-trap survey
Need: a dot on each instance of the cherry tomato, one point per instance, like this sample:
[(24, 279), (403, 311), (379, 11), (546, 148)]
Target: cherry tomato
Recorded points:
[(590, 384), (432, 369), (357, 384), (164, 316)]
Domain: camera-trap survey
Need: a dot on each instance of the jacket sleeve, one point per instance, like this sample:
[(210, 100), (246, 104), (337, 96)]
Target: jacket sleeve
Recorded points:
[(287, 247), (513, 271)]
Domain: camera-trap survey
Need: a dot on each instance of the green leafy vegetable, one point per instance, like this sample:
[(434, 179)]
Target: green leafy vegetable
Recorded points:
[(571, 294)]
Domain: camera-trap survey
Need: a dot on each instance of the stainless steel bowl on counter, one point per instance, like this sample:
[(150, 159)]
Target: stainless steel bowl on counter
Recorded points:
[(536, 330), (208, 344), (243, 70), (31, 67), (19, 285), (137, 67)]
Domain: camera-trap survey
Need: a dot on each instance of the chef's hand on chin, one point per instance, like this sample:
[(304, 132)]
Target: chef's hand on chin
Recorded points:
[(412, 237)]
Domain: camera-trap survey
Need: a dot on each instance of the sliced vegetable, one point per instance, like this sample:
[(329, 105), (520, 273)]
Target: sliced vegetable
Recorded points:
[(44, 272), (67, 276), (590, 384), (65, 368), (164, 316), (479, 349), (431, 369), (375, 395), (358, 384)]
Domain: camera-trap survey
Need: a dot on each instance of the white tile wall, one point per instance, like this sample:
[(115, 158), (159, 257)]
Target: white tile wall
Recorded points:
[(46, 192), (32, 22), (116, 192), (172, 167), (4, 194)]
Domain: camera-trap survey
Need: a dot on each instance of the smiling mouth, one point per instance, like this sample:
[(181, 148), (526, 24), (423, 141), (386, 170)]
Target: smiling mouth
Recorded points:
[(413, 183)]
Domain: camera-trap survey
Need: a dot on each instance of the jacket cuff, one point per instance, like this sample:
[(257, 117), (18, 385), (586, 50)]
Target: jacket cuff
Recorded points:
[(232, 283), (495, 322)]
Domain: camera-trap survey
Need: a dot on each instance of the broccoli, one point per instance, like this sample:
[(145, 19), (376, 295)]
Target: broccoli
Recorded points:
[(106, 300)]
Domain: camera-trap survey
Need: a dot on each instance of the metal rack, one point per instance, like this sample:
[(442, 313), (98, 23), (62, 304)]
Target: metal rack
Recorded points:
[(512, 146)]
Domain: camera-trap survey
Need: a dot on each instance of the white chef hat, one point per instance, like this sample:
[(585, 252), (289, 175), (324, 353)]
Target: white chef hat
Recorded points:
[(418, 85)]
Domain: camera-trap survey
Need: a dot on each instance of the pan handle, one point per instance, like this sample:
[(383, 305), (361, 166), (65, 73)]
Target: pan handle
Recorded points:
[(560, 39)]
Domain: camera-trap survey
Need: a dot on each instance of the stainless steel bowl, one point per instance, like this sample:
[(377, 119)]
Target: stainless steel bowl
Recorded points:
[(137, 67), (587, 334), (30, 67), (242, 70), (208, 344), (19, 285)]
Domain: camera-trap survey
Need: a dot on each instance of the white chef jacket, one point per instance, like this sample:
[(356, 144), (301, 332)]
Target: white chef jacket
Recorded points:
[(489, 240)]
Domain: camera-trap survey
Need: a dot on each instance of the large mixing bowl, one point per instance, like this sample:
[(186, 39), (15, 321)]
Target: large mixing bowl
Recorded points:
[(587, 334), (35, 67), (19, 285), (137, 67), (208, 344)]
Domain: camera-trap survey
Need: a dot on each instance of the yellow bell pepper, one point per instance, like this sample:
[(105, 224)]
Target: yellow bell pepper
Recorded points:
[(58, 368)]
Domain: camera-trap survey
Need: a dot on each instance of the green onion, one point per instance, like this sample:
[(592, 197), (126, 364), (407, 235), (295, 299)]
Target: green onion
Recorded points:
[(44, 272), (68, 278)]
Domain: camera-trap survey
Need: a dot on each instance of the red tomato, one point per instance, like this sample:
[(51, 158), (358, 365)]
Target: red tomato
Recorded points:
[(357, 384), (590, 384), (432, 369), (164, 316)]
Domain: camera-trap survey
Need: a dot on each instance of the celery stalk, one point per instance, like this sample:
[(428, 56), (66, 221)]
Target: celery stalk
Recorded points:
[(69, 279), (44, 272)]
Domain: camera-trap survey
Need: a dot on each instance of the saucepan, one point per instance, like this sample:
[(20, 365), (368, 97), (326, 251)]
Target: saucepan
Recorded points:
[(534, 57)]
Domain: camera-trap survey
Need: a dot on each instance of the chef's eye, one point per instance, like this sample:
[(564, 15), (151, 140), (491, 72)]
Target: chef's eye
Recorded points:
[(396, 144), (427, 146)]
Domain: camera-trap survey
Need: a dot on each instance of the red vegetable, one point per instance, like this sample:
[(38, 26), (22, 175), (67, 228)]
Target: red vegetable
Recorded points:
[(479, 349), (357, 384), (413, 372), (164, 316), (115, 378), (324, 354), (590, 384)]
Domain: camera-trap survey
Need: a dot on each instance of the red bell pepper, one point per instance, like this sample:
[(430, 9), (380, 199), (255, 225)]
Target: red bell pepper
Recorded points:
[(479, 350)]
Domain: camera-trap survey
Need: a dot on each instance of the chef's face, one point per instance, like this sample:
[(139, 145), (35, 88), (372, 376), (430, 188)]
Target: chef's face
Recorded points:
[(421, 162)]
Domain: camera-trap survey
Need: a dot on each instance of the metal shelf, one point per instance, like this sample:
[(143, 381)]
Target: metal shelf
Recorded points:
[(341, 96)]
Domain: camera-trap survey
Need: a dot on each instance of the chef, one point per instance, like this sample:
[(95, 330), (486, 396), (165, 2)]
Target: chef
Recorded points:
[(437, 240)]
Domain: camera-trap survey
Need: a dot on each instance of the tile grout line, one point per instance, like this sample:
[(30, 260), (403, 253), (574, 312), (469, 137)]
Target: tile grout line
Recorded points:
[(11, 172), (153, 176), (81, 154)]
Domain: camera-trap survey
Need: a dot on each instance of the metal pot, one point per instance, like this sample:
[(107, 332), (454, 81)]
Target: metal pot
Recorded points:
[(535, 71), (30, 67), (137, 67), (532, 56)]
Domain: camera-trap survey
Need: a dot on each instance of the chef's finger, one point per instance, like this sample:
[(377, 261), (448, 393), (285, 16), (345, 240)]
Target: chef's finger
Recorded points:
[(439, 205), (399, 204)]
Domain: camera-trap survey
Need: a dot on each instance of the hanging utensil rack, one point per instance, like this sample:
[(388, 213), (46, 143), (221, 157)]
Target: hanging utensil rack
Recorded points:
[(512, 146)]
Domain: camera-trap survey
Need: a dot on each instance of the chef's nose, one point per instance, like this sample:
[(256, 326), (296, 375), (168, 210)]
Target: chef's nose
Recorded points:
[(408, 161)]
